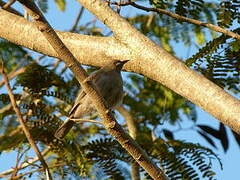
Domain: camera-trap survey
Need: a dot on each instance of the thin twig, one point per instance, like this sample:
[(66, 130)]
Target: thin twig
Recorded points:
[(36, 170), (181, 18), (24, 164), (24, 127), (15, 169), (13, 74), (73, 29), (8, 4), (87, 120), (9, 9)]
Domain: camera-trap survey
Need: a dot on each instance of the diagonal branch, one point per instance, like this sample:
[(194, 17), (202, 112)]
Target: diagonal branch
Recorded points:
[(73, 29), (156, 63), (7, 7), (147, 58), (8, 4), (181, 18), (24, 127), (36, 170), (13, 74), (105, 114), (132, 128)]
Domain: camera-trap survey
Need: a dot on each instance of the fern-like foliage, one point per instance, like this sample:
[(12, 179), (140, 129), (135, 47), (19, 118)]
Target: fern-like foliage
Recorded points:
[(178, 159), (219, 61), (154, 102), (108, 154), (189, 8), (185, 160), (37, 77), (207, 50), (228, 12), (14, 56)]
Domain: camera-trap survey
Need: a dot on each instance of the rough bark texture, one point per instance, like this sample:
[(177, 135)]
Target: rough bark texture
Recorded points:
[(132, 129), (146, 58), (105, 114)]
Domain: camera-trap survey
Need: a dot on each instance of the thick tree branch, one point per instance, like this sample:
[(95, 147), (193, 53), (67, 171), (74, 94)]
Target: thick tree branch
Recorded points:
[(24, 127), (156, 63), (147, 59), (85, 48), (105, 114)]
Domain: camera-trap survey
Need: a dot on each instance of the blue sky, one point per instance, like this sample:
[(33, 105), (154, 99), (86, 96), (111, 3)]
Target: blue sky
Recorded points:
[(63, 21)]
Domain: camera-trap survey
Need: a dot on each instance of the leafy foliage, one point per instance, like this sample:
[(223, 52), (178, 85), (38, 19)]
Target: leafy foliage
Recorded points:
[(208, 132), (179, 159), (104, 156), (189, 8), (45, 93), (37, 77), (219, 62), (14, 56), (61, 4), (156, 103), (228, 12)]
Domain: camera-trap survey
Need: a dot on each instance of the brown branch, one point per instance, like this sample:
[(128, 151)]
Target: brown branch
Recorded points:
[(24, 127), (131, 124), (87, 120), (8, 8), (23, 165), (180, 18), (13, 74), (77, 19), (36, 170), (132, 128), (149, 59), (8, 4), (108, 119), (15, 169)]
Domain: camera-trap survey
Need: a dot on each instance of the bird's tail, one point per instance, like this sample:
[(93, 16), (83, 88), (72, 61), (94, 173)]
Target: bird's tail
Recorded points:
[(64, 129)]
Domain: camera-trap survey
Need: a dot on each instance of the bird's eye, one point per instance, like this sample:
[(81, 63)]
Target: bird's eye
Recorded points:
[(118, 63)]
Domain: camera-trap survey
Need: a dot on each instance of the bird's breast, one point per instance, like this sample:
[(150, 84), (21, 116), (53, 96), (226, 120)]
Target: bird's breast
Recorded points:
[(110, 86)]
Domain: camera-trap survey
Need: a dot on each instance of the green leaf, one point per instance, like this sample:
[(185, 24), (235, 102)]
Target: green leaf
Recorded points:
[(200, 36), (61, 4)]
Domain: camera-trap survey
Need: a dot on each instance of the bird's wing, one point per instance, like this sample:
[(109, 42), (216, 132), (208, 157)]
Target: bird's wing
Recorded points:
[(95, 75), (92, 77), (76, 104)]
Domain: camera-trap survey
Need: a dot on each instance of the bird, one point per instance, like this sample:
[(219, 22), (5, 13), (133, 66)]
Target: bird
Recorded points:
[(109, 84)]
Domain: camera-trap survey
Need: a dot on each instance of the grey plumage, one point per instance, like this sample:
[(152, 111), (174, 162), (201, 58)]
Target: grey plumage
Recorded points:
[(108, 81)]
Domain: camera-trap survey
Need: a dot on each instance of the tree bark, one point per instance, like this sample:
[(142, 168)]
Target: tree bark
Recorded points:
[(132, 129), (104, 113), (146, 57)]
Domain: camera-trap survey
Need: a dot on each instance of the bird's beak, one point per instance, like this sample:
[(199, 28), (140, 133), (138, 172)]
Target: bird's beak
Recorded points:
[(125, 61)]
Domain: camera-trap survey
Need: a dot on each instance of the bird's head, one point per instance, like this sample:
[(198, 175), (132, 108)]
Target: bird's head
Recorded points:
[(117, 64)]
